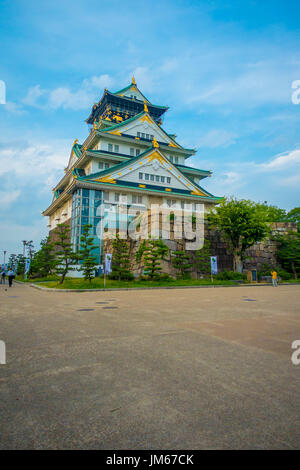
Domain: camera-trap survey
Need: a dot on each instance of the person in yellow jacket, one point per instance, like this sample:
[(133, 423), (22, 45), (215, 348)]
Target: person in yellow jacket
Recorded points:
[(274, 278)]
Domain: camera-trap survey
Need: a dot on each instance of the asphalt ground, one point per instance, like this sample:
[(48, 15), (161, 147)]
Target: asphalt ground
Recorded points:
[(158, 369)]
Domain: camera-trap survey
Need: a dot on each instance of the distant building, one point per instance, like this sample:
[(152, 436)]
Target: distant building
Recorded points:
[(126, 159)]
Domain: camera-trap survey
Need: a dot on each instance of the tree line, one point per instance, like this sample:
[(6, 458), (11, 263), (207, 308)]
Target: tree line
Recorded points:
[(242, 223)]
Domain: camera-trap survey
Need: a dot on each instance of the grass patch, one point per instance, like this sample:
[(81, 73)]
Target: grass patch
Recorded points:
[(37, 280), (97, 283)]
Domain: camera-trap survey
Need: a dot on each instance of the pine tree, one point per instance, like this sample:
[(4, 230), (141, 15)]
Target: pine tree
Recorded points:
[(20, 263), (120, 260), (202, 258), (180, 262), (152, 252), (44, 260), (85, 254), (65, 256)]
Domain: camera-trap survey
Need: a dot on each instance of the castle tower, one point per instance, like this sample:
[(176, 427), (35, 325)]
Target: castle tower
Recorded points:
[(127, 158)]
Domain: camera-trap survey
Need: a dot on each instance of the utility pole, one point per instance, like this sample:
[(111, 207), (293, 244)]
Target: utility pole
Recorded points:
[(24, 246)]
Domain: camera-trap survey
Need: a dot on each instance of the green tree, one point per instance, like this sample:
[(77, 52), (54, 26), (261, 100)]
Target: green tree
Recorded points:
[(120, 260), (180, 262), (12, 261), (241, 224), (202, 258), (270, 213), (20, 262), (85, 253), (288, 252), (65, 256), (152, 252), (294, 216), (44, 260)]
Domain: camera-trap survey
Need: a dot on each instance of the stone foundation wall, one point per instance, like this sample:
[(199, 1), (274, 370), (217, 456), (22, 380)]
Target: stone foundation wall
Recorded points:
[(257, 255), (265, 252)]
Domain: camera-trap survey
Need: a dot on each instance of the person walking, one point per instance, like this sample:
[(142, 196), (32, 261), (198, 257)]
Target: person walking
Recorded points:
[(274, 278), (3, 274), (10, 275)]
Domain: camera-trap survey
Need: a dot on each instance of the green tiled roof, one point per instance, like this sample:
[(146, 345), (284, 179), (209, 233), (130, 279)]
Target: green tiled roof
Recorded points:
[(129, 162)]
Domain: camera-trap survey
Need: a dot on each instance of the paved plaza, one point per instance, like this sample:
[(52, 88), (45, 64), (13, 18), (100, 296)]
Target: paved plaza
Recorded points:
[(205, 368)]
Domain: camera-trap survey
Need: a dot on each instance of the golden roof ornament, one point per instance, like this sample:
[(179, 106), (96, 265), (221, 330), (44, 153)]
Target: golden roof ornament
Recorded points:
[(155, 143), (146, 107), (133, 80), (75, 142)]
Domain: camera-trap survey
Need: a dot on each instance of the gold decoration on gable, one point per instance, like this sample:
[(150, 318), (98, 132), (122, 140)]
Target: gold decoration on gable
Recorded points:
[(106, 179), (146, 118), (155, 143), (156, 156), (197, 193)]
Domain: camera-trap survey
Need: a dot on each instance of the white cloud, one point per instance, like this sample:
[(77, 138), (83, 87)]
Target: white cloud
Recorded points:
[(255, 84), (14, 108), (33, 95), (8, 197), (287, 160), (63, 97), (259, 181), (33, 159), (217, 138)]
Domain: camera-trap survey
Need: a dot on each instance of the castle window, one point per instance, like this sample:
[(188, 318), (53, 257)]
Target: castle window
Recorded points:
[(152, 177), (137, 152), (140, 176), (176, 159), (157, 178), (147, 176), (100, 165), (171, 158), (110, 147), (117, 197), (139, 134), (116, 148), (106, 165), (132, 152), (168, 180), (162, 179)]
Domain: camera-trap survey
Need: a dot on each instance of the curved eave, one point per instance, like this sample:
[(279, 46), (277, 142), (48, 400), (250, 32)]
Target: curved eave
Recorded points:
[(96, 185), (90, 119)]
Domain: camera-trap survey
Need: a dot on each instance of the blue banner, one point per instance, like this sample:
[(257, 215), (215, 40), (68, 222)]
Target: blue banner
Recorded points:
[(214, 264)]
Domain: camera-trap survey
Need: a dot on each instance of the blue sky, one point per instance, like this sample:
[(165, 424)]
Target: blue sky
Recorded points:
[(225, 69)]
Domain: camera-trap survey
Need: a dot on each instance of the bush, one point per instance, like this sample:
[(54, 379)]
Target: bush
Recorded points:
[(285, 276), (116, 275), (158, 277), (230, 276), (264, 270)]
